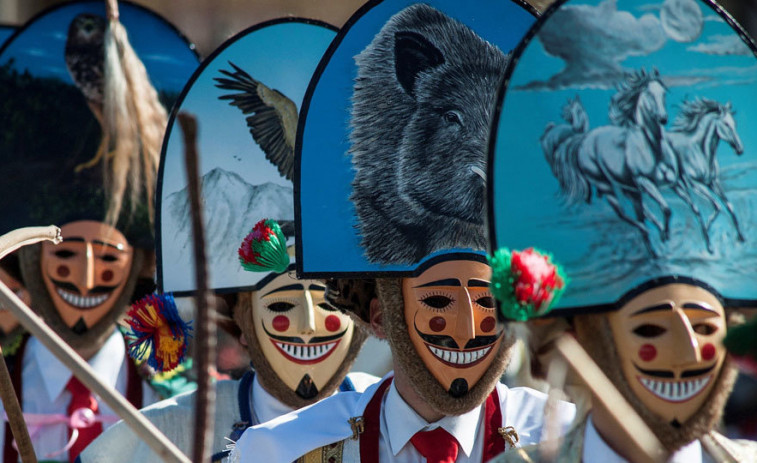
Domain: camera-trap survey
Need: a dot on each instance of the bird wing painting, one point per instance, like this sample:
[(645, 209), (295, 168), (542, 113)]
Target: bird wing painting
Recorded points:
[(272, 117)]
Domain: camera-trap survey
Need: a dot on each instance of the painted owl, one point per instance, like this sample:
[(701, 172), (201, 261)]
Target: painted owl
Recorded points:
[(84, 53)]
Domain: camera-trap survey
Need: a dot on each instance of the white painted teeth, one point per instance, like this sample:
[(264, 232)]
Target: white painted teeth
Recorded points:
[(84, 302), (306, 353), (675, 391), (459, 358)]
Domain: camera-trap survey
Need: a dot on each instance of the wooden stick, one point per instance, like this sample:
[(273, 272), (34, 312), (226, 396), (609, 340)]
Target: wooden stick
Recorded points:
[(648, 448), (15, 415), (111, 9), (9, 243), (81, 369), (205, 334)]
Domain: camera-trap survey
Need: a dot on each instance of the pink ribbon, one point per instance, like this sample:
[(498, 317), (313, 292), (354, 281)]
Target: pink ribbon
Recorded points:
[(81, 418)]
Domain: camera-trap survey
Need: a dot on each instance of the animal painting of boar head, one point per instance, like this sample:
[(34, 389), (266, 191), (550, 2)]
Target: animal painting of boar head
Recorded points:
[(422, 107)]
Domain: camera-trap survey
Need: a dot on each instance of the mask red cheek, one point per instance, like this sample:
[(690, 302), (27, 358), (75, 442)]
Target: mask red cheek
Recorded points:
[(63, 271), (708, 351), (437, 324), (488, 324), (107, 275), (280, 323), (333, 323), (647, 352)]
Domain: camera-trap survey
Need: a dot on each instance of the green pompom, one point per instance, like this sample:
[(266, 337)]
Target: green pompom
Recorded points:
[(526, 283), (264, 249), (742, 340)]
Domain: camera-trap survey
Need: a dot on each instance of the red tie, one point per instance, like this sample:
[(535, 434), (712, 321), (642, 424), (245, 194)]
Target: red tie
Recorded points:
[(81, 398), (437, 446)]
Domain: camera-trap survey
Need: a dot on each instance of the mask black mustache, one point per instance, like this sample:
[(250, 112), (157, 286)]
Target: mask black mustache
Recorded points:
[(449, 343), (297, 340), (669, 374), (72, 288)]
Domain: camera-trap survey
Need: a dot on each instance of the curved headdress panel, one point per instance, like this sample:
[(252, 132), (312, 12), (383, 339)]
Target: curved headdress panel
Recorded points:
[(246, 97), (6, 31), (623, 145), (391, 147), (51, 86)]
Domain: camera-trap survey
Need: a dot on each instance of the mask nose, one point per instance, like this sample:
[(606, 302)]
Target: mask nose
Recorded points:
[(687, 345), (464, 327), (86, 280), (307, 321)]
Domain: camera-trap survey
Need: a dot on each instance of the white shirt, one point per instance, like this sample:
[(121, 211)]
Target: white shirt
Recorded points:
[(394, 440), (265, 407), (597, 451), (44, 380), (291, 436)]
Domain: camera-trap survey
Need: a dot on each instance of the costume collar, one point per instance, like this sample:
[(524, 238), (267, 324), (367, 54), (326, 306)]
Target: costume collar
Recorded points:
[(406, 422), (265, 407), (107, 362), (596, 450)]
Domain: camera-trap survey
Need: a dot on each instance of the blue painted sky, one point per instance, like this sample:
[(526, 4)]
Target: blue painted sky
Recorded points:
[(281, 56), (166, 55), (327, 220), (589, 239)]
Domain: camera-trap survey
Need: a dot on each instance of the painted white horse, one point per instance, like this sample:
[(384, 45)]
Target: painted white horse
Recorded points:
[(697, 131)]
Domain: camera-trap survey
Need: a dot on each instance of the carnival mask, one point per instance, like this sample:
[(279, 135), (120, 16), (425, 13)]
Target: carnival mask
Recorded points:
[(669, 343), (304, 339), (451, 320), (87, 272)]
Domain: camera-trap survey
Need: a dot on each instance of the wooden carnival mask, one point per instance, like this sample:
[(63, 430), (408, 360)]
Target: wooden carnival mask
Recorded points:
[(669, 341), (86, 274), (451, 320), (304, 339)]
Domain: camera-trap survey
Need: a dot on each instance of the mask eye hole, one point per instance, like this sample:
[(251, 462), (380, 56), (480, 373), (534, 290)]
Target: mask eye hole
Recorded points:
[(64, 254), (649, 331), (486, 302), (705, 328), (109, 258), (327, 306), (437, 301), (280, 306)]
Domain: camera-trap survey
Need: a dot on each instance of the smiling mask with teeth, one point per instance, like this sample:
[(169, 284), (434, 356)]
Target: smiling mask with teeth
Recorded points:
[(444, 334), (83, 285), (301, 347), (449, 312), (669, 340)]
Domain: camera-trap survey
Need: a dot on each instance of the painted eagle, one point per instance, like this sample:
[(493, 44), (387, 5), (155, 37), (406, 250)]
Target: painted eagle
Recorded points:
[(271, 116)]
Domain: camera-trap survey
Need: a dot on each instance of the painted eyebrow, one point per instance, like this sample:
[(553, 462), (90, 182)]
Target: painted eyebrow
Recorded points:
[(478, 283), (77, 239), (317, 287), (119, 246), (699, 306), (654, 308), (285, 288), (447, 282)]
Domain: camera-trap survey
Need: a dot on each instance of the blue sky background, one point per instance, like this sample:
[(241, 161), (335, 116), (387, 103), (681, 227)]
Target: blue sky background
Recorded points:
[(329, 240), (605, 257), (283, 57), (166, 55)]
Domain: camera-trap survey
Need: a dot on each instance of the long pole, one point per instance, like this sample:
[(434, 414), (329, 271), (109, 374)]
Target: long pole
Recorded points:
[(205, 340)]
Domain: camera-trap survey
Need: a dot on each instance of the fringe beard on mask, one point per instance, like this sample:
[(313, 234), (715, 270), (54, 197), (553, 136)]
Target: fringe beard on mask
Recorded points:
[(595, 335), (242, 314), (407, 360)]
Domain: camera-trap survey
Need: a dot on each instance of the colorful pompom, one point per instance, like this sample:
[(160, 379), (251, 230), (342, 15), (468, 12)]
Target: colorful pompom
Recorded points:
[(265, 248), (158, 332), (526, 283)]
